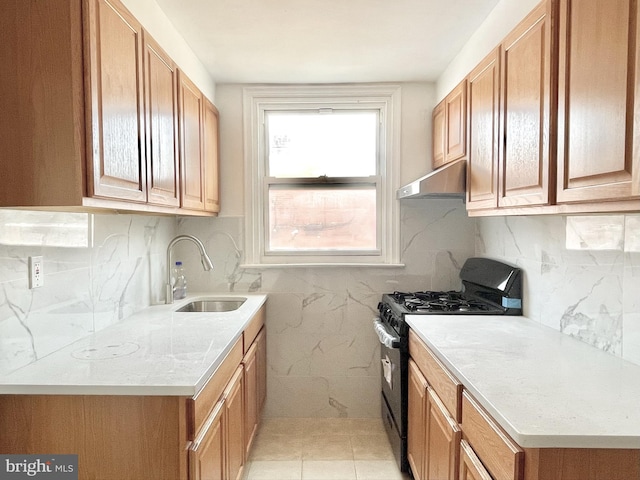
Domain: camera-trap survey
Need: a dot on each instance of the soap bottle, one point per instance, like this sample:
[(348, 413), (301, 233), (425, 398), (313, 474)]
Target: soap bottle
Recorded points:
[(180, 282)]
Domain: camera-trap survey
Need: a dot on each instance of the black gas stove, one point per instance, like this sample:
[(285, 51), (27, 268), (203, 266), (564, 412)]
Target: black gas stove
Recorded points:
[(488, 288)]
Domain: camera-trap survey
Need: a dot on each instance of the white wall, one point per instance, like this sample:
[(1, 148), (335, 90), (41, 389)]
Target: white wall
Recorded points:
[(502, 19), (153, 19)]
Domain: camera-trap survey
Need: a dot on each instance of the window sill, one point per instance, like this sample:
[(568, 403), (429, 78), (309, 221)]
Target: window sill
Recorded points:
[(263, 266)]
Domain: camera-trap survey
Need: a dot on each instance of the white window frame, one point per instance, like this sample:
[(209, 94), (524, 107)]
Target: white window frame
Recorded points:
[(256, 100)]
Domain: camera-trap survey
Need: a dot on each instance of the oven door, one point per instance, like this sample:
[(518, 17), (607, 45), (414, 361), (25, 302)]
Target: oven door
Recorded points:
[(390, 358)]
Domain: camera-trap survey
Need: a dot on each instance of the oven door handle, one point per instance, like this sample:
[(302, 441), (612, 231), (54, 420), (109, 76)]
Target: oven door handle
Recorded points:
[(387, 339)]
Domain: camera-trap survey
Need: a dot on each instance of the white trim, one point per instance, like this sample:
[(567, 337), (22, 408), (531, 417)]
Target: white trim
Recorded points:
[(387, 97)]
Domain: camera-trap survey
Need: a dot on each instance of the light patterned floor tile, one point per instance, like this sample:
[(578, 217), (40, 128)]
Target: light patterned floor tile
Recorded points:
[(327, 447), (371, 447), (378, 470), (328, 470), (275, 470), (322, 449)]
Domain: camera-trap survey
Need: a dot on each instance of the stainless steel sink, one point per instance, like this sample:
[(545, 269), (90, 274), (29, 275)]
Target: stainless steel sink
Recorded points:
[(213, 305)]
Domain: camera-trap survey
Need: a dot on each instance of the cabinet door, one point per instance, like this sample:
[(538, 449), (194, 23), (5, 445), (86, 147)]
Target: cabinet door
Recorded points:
[(471, 467), (439, 135), (191, 103), (598, 158), (443, 441), (250, 395), (161, 114), (206, 453), (261, 369), (114, 101), (525, 120), (211, 158), (456, 123), (482, 165), (234, 426), (417, 421)]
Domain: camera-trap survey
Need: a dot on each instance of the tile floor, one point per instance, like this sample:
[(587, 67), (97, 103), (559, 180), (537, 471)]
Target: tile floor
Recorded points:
[(322, 449)]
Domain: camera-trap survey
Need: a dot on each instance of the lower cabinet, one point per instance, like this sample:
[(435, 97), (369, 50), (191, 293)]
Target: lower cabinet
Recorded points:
[(471, 467), (255, 370), (218, 449), (206, 455), (417, 424), (234, 426), (443, 439), (133, 437), (433, 435)]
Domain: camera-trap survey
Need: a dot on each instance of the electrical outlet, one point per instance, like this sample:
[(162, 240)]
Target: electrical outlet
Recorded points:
[(36, 275)]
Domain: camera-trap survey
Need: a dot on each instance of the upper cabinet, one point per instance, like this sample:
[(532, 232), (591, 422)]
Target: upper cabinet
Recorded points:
[(89, 112), (526, 156), (211, 159), (161, 100), (552, 113), (482, 161), (191, 144), (450, 127), (598, 157), (115, 103)]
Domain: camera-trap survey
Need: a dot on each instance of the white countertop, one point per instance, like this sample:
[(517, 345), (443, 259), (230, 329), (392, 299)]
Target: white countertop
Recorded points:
[(155, 352), (543, 387)]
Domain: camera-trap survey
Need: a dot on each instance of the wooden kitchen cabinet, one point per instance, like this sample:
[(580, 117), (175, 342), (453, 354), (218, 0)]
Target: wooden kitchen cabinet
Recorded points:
[(502, 457), (438, 135), (191, 144), (115, 102), (482, 157), (527, 153), (471, 467), (234, 426), (598, 102), (131, 437), (206, 454), (433, 432), (450, 127), (161, 101), (443, 441), (199, 162), (87, 111), (211, 158), (255, 367), (417, 421)]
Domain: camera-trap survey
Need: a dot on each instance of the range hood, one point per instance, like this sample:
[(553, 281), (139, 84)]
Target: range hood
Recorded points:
[(448, 181)]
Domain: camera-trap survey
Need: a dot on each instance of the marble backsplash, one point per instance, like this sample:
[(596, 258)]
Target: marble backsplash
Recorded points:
[(98, 269), (323, 355), (582, 274), (582, 277)]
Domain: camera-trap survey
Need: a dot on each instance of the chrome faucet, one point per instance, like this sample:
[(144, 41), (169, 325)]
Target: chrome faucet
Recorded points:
[(207, 264)]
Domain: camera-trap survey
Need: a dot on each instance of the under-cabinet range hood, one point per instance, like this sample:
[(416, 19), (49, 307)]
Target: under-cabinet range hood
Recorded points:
[(448, 181)]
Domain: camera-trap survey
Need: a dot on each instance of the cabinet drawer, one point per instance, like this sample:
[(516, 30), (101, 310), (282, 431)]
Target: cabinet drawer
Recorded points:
[(204, 401), (448, 388), (252, 330), (500, 455), (471, 467)]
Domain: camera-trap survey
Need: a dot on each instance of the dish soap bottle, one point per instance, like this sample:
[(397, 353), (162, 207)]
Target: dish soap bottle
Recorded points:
[(180, 282)]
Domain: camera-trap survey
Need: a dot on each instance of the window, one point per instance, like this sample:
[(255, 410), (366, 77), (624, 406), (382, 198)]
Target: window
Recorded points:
[(320, 177)]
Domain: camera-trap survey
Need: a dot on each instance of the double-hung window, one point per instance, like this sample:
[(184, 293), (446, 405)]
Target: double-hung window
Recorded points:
[(320, 175)]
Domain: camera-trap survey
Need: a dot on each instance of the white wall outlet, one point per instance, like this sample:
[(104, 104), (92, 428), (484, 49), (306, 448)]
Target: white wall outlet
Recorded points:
[(36, 275)]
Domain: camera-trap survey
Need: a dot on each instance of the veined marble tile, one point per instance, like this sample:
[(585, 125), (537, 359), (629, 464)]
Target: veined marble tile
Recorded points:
[(632, 233), (597, 232), (357, 397)]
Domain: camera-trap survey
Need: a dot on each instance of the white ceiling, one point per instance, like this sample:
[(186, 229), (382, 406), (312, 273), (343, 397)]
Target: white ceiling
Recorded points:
[(326, 41)]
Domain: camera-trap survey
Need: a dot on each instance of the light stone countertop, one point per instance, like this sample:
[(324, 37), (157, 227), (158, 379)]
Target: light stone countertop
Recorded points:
[(545, 388), (155, 352)]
